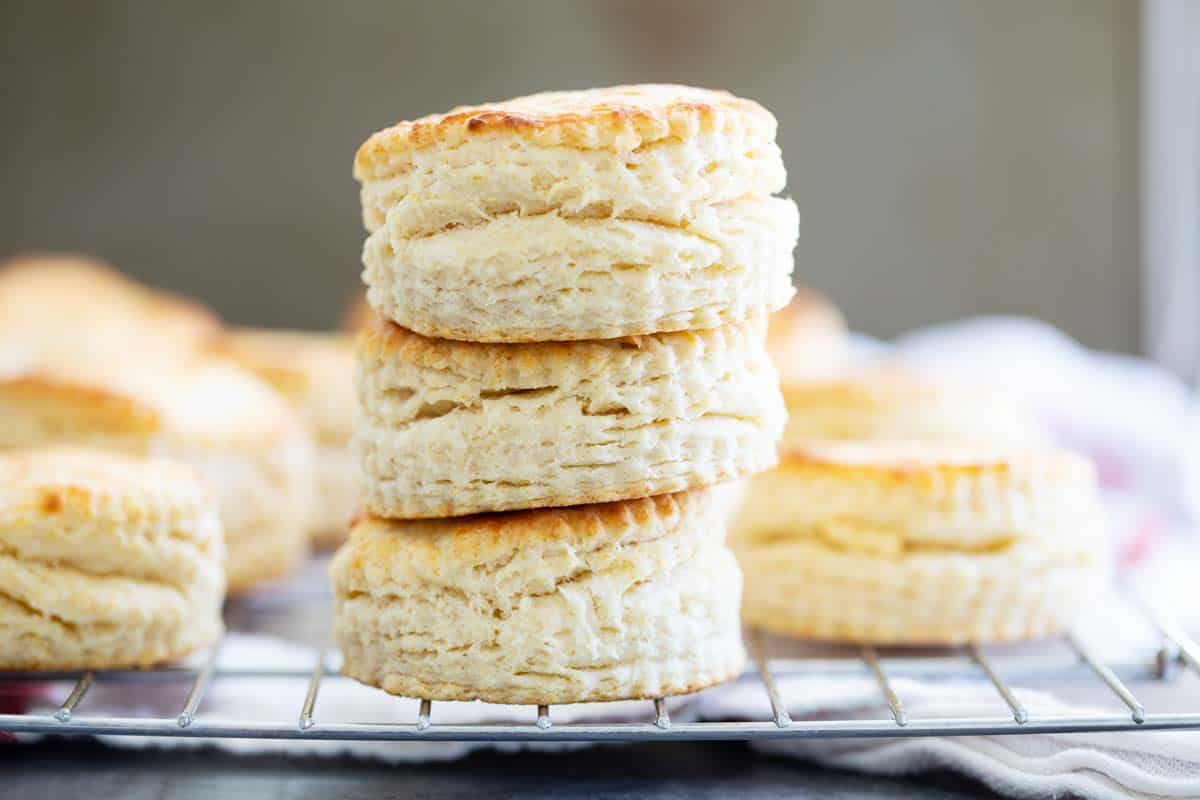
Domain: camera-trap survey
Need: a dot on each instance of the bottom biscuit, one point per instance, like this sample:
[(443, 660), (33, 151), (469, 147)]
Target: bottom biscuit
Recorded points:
[(637, 599)]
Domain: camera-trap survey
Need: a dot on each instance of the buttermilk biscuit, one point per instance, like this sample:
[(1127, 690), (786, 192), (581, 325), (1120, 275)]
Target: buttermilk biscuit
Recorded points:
[(105, 561), (807, 339), (554, 278), (60, 306), (636, 599), (452, 428), (920, 543), (578, 215), (886, 402), (238, 433), (315, 372), (655, 153)]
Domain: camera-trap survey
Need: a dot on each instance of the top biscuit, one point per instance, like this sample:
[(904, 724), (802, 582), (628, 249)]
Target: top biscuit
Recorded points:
[(613, 118), (652, 153)]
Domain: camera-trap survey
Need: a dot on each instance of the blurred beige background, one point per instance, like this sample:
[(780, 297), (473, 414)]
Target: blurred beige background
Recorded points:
[(949, 157)]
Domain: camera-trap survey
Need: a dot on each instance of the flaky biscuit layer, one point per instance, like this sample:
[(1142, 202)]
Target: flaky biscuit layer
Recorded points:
[(451, 428), (551, 278), (810, 590)]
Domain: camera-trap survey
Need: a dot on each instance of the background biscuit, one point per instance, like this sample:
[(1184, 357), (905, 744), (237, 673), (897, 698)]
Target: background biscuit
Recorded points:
[(921, 544), (654, 152), (105, 561), (315, 372)]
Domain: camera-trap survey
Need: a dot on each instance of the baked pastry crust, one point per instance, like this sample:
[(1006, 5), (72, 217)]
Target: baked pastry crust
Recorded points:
[(613, 118), (453, 428), (636, 599), (659, 154), (105, 561)]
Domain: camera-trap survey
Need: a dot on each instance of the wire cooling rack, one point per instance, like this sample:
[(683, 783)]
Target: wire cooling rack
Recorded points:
[(996, 666)]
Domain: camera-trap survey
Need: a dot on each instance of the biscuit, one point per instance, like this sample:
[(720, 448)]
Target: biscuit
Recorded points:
[(807, 340), (315, 373), (654, 153), (46, 300), (921, 543), (452, 428), (886, 402), (88, 356), (105, 561), (237, 433), (553, 278), (636, 599)]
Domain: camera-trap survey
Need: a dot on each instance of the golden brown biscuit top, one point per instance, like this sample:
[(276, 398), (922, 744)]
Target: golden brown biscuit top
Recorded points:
[(72, 305), (88, 352), (198, 402), (926, 462), (291, 361), (487, 538), (70, 481), (515, 362), (882, 387), (617, 118)]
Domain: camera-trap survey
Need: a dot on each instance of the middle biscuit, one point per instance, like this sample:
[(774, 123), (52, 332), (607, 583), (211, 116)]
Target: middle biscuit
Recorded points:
[(553, 278), (453, 428)]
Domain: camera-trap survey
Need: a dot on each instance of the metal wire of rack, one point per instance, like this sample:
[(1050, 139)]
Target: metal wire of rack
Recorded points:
[(970, 663)]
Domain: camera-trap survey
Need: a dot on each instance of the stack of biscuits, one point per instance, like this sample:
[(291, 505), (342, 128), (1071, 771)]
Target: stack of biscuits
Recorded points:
[(571, 292)]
